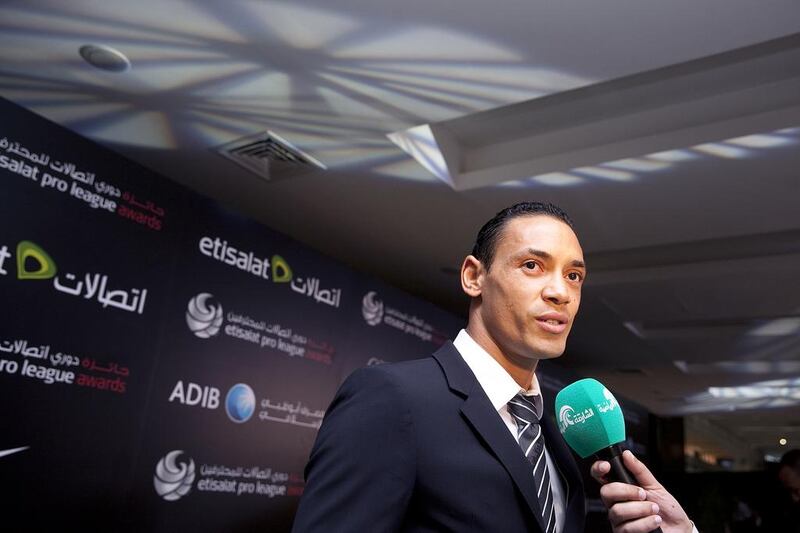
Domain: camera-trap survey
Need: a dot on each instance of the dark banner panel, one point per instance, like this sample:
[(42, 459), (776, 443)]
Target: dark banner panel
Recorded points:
[(254, 341), (84, 273), (165, 364)]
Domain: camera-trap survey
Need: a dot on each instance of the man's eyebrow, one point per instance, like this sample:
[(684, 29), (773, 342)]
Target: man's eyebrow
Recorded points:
[(540, 253), (577, 263)]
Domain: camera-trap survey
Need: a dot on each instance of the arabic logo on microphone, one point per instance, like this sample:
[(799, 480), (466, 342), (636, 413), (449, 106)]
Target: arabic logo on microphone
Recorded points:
[(173, 480), (610, 403), (240, 403), (372, 309), (565, 418), (204, 319)]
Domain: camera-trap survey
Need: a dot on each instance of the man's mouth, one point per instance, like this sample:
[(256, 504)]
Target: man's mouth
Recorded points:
[(553, 322)]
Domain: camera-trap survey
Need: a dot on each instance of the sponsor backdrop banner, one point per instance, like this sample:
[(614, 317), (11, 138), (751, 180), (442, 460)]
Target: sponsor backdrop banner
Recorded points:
[(165, 364), (83, 279)]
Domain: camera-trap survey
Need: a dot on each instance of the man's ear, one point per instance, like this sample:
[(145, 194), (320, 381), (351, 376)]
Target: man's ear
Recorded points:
[(472, 276)]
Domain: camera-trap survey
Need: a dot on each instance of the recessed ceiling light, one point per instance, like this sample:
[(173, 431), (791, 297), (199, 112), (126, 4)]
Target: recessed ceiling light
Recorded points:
[(105, 58), (783, 442)]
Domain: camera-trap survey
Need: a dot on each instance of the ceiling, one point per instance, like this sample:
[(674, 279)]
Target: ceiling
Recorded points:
[(692, 303)]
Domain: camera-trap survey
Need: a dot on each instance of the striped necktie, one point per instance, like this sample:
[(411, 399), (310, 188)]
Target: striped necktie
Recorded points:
[(527, 411)]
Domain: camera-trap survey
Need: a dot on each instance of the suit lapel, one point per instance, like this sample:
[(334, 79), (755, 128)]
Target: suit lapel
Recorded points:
[(483, 418)]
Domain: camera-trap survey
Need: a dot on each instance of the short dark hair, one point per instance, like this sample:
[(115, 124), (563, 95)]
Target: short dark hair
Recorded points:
[(489, 234), (791, 459)]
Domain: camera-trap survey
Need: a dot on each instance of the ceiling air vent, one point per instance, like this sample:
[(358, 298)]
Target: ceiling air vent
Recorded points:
[(269, 156)]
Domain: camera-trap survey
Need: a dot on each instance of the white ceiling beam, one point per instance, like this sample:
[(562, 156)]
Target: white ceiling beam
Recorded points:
[(736, 93)]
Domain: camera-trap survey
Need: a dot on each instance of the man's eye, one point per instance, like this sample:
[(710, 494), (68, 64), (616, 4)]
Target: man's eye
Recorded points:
[(531, 265), (575, 276)]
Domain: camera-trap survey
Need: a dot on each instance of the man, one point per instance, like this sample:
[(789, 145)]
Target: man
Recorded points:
[(787, 516), (458, 441), (789, 474)]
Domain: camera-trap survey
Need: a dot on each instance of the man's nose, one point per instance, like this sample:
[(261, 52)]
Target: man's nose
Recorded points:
[(556, 290)]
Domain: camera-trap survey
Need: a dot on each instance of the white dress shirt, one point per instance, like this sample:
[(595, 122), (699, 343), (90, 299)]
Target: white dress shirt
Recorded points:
[(500, 387)]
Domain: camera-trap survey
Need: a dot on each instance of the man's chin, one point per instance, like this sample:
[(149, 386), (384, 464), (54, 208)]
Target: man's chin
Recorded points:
[(550, 351), (551, 355), (536, 351)]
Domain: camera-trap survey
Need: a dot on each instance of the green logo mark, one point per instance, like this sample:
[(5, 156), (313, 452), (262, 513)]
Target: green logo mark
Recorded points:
[(281, 271), (46, 267)]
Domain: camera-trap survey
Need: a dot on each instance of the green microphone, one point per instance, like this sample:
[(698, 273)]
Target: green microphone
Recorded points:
[(590, 420)]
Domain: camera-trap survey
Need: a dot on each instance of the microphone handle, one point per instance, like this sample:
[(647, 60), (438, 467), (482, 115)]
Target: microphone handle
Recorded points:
[(613, 454)]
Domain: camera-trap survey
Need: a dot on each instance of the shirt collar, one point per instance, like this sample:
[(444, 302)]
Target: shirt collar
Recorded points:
[(498, 384)]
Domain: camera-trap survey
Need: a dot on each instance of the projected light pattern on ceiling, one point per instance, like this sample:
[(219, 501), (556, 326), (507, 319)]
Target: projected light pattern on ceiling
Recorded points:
[(630, 169), (766, 350), (777, 327), (740, 367), (759, 395), (330, 83)]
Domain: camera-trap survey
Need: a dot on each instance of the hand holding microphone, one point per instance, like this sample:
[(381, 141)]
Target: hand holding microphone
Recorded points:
[(640, 507), (591, 421)]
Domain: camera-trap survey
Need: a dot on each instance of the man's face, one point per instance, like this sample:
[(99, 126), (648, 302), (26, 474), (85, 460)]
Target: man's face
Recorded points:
[(791, 480), (530, 295)]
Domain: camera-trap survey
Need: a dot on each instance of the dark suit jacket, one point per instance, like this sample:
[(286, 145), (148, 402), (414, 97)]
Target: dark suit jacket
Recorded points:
[(417, 446)]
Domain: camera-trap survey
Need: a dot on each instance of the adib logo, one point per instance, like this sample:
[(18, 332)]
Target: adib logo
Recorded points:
[(240, 403), (372, 309), (173, 480), (195, 395), (203, 318)]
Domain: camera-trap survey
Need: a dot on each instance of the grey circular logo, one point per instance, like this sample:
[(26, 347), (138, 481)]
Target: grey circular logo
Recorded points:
[(372, 309), (204, 319), (173, 480)]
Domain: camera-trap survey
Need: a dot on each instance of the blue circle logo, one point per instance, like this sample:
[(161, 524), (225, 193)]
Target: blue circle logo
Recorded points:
[(240, 403)]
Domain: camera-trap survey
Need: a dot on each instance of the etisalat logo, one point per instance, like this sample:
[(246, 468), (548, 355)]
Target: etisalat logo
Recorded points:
[(274, 268), (28, 252), (34, 263), (372, 309), (568, 417), (173, 480), (203, 318), (247, 261)]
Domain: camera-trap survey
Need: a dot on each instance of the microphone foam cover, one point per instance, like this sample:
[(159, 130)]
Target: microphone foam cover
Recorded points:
[(589, 417)]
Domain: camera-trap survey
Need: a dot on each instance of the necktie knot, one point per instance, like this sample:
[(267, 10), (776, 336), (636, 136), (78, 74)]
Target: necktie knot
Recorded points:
[(526, 409)]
